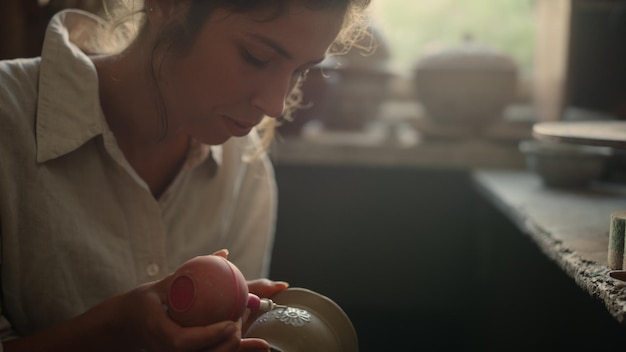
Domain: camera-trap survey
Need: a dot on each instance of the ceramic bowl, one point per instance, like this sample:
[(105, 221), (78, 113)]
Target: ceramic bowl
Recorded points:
[(565, 165), (310, 323), (467, 84)]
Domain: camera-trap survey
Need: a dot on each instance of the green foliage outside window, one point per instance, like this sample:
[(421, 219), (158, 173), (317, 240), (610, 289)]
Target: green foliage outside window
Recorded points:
[(413, 27)]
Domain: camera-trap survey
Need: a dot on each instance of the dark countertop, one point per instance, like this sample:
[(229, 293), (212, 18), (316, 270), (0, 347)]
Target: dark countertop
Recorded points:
[(377, 149), (570, 226)]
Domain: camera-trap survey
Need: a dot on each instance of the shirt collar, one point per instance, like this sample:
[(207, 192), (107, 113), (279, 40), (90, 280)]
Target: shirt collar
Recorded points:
[(68, 111), (68, 108)]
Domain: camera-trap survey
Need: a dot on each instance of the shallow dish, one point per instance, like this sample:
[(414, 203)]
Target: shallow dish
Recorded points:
[(565, 165), (310, 323)]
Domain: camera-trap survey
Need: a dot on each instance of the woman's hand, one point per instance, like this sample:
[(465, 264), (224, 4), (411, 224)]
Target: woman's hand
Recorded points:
[(138, 321), (148, 322), (145, 325), (263, 288), (135, 321)]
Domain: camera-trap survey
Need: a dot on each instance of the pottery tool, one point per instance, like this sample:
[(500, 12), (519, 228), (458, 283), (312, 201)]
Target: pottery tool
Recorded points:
[(206, 290), (262, 304), (209, 289), (616, 240)]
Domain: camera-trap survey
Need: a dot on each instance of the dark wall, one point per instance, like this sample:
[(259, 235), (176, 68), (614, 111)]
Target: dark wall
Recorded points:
[(419, 261), (597, 65)]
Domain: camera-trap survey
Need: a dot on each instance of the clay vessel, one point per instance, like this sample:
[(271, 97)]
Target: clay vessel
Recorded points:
[(310, 322), (468, 84)]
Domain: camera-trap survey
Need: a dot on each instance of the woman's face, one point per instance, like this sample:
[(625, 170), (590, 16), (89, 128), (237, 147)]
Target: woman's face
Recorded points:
[(241, 68)]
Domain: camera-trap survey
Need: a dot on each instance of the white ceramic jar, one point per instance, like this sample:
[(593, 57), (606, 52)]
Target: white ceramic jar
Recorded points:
[(468, 83)]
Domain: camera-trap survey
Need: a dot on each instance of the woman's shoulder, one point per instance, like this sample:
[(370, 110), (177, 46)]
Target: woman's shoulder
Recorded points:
[(18, 85), (18, 100), (19, 71)]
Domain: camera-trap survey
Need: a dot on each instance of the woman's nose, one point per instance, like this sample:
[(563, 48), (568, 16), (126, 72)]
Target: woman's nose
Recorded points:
[(270, 97)]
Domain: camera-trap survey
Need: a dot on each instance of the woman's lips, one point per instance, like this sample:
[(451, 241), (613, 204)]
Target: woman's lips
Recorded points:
[(235, 128)]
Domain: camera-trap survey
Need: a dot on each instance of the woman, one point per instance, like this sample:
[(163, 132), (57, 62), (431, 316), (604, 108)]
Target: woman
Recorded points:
[(119, 166)]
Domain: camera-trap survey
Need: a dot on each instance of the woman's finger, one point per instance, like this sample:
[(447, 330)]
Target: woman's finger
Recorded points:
[(222, 253), (222, 336), (266, 287), (253, 344)]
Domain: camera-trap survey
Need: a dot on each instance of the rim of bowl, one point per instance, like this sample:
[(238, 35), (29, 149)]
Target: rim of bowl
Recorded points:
[(538, 147), (333, 315)]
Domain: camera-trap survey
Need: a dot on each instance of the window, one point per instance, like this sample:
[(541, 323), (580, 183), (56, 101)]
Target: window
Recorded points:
[(570, 53), (412, 28)]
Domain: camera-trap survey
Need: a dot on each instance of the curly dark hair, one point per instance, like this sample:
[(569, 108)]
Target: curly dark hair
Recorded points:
[(179, 36)]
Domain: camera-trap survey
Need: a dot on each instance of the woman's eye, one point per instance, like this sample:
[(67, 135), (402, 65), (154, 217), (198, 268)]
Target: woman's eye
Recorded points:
[(254, 60)]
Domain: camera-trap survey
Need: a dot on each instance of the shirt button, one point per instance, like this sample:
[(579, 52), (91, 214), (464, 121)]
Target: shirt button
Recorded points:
[(152, 269)]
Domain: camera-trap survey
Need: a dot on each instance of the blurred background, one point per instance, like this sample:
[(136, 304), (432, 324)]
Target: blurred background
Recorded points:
[(564, 53), (377, 209)]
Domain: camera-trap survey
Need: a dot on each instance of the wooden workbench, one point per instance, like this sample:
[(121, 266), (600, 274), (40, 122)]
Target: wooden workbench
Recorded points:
[(570, 226)]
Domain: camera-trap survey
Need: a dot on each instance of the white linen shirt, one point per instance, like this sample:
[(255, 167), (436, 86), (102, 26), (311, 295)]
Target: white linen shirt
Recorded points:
[(78, 225)]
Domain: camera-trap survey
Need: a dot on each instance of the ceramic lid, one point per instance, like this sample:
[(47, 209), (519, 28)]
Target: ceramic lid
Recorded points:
[(468, 55)]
